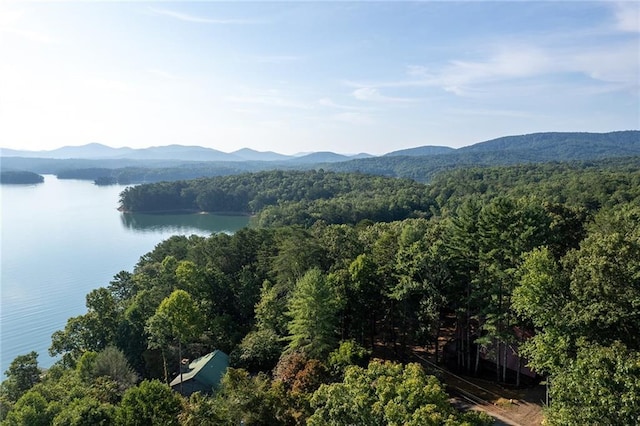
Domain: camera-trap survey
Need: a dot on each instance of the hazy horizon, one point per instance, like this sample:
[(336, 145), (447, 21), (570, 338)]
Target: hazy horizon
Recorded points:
[(296, 154), (346, 77)]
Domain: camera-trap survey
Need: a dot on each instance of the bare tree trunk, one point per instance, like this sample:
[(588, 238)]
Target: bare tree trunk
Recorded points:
[(459, 343), (519, 368), (180, 364), (373, 330), (504, 363), (475, 372), (164, 366), (497, 343), (437, 343), (547, 380), (468, 328), (468, 346)]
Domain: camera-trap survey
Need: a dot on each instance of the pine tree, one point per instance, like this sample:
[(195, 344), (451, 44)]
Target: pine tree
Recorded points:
[(313, 312)]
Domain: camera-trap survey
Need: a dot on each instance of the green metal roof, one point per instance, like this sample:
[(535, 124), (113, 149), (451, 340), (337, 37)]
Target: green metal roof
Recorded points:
[(204, 373)]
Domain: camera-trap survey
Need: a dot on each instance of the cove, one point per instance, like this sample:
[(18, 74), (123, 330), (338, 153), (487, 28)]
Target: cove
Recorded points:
[(63, 238)]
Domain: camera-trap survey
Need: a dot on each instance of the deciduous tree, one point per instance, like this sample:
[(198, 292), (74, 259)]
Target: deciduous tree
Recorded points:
[(149, 403)]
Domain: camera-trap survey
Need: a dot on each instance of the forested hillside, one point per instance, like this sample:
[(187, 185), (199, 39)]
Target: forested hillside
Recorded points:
[(590, 185), (287, 197), (563, 146), (293, 197), (420, 163), (538, 261), (20, 177), (512, 150)]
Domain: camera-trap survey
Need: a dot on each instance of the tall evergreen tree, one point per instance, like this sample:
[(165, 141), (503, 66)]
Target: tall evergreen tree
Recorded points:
[(313, 312)]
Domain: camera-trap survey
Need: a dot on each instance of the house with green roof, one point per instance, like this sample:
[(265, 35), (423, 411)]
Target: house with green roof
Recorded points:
[(202, 374)]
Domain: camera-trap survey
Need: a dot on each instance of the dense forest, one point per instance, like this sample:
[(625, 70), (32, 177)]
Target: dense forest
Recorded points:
[(287, 197), (322, 304), (420, 164), (20, 177)]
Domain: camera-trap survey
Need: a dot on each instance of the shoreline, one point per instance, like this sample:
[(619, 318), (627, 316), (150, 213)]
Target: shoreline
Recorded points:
[(184, 211)]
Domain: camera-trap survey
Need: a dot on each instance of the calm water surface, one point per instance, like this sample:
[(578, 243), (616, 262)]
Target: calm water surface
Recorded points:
[(60, 240)]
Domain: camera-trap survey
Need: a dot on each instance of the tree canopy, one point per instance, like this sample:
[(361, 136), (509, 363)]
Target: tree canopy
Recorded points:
[(535, 265)]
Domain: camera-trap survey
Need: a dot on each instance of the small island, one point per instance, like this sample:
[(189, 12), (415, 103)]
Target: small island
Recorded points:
[(105, 180), (20, 177)]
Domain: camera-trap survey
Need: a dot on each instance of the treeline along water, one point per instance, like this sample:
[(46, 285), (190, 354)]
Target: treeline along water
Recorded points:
[(61, 239)]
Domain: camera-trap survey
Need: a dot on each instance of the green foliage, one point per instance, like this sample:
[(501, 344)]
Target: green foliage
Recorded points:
[(542, 292), (112, 364), (260, 350), (57, 390), (297, 252), (86, 364), (245, 399), (421, 280), (386, 394), (271, 309), (605, 279), (20, 177), (312, 309), (86, 411), (202, 410), (592, 294), (92, 331), (420, 164), (149, 403), (585, 307), (284, 198), (23, 373), (528, 248), (590, 185), (177, 317), (348, 353), (30, 410), (601, 386), (618, 148)]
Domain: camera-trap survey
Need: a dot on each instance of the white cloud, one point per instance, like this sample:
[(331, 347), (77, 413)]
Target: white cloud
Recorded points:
[(10, 24), (491, 112), (627, 16), (417, 71), (619, 64), (463, 77), (514, 65), (329, 103), (271, 59), (372, 94), (197, 19)]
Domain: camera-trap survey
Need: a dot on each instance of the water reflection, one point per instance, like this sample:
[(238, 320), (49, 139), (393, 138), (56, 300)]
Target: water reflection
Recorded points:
[(182, 223)]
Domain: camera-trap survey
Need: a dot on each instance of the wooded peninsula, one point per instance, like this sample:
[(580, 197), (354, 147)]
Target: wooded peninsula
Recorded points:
[(20, 177), (519, 274)]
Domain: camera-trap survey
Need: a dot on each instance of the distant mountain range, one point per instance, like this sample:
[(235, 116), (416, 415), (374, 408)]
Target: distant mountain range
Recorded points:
[(421, 150), (557, 145), (552, 145), (421, 163), (97, 151)]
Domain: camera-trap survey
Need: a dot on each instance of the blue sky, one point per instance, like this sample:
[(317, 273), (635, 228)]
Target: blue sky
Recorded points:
[(293, 77)]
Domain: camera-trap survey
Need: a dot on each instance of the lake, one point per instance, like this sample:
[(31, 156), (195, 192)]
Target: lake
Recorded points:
[(63, 238)]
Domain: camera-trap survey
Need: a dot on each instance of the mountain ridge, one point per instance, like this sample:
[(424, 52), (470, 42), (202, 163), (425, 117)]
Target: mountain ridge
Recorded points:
[(417, 163)]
